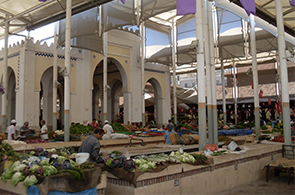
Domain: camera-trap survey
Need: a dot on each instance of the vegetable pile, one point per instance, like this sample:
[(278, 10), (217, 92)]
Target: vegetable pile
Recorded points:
[(118, 127), (35, 141), (6, 152), (79, 129)]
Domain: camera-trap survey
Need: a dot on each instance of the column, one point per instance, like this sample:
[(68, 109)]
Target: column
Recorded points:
[(67, 71), (255, 76), (208, 74), (201, 77), (142, 35), (55, 83), (283, 74), (174, 62), (235, 91), (105, 76), (5, 79)]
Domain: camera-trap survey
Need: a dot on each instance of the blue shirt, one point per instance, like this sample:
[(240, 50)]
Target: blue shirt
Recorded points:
[(167, 136)]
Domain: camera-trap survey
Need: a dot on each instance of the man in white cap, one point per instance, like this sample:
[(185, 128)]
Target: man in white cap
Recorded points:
[(11, 130), (109, 130)]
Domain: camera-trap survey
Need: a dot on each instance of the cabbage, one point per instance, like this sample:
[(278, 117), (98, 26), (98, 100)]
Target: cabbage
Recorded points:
[(152, 165), (30, 180), (25, 162), (53, 150), (73, 163), (7, 174), (49, 170), (140, 161), (34, 168), (143, 167), (15, 164), (66, 165), (44, 162), (61, 159), (17, 177), (129, 164), (20, 167)]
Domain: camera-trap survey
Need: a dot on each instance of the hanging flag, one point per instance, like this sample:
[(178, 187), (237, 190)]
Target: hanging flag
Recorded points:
[(269, 101), (123, 1), (292, 2), (249, 6), (260, 94), (184, 7)]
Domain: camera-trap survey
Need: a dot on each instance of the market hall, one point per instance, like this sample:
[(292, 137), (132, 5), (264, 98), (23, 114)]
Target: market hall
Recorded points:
[(91, 75)]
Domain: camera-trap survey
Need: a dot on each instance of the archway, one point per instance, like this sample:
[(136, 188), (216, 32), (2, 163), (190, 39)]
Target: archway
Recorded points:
[(154, 89), (11, 95)]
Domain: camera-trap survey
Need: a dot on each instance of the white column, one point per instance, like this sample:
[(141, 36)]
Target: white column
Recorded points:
[(105, 75), (67, 71), (5, 79), (174, 62), (235, 91), (213, 76), (208, 73), (142, 27), (201, 77), (255, 76), (283, 73), (223, 88), (54, 92)]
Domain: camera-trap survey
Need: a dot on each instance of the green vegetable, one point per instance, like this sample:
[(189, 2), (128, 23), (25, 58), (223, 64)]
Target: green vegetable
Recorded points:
[(143, 167), (7, 174), (116, 152), (200, 157), (30, 180), (17, 177), (61, 159), (109, 162), (19, 168), (15, 164), (34, 168), (49, 170), (118, 127), (44, 162), (32, 153), (218, 153), (86, 165), (76, 173), (64, 154), (73, 163), (80, 129), (81, 171)]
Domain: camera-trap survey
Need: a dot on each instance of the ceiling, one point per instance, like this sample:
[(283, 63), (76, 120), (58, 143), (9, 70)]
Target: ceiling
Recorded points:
[(31, 14)]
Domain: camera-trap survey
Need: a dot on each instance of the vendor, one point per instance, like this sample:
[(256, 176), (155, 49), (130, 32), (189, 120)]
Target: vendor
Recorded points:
[(25, 128), (109, 130), (91, 144), (167, 134), (93, 123), (11, 130), (44, 130)]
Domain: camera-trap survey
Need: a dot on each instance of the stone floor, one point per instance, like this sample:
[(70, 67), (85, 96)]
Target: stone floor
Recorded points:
[(275, 185)]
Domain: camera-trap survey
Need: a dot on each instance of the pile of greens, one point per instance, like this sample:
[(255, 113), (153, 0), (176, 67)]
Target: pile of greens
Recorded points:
[(118, 127), (79, 129)]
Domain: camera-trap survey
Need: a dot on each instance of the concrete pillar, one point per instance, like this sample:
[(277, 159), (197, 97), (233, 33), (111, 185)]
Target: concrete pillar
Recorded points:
[(201, 77), (105, 76), (208, 74), (235, 91), (174, 64), (4, 78), (284, 74), (223, 89), (255, 76), (213, 76), (54, 90), (127, 106), (67, 71), (142, 35)]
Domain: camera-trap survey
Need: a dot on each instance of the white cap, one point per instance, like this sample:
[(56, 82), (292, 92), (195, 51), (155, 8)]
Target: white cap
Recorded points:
[(106, 121), (13, 121)]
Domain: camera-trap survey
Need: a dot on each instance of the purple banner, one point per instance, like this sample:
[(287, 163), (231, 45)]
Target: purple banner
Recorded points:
[(184, 7), (249, 6), (123, 1), (292, 3)]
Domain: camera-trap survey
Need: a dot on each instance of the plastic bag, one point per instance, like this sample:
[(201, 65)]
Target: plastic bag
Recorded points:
[(232, 146)]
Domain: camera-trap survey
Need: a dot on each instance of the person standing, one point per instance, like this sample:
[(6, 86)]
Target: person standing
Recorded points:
[(169, 131), (109, 130), (11, 130), (44, 130), (93, 123), (91, 144)]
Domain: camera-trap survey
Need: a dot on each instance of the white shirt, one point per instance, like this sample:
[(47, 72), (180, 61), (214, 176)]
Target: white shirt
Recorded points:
[(43, 129), (109, 129), (10, 130)]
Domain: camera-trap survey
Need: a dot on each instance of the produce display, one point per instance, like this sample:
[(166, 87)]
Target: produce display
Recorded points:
[(79, 129), (14, 142), (219, 152), (7, 152), (2, 136), (281, 139), (119, 128), (223, 138), (35, 141), (131, 128)]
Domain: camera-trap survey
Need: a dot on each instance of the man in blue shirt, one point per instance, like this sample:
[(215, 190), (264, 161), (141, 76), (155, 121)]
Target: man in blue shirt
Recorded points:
[(168, 133)]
